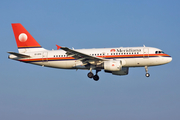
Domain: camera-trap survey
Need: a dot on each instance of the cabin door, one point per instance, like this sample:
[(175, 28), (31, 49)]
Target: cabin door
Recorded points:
[(45, 57), (145, 53)]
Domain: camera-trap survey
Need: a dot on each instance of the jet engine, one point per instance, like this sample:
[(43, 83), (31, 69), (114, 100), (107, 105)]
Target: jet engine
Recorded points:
[(113, 65)]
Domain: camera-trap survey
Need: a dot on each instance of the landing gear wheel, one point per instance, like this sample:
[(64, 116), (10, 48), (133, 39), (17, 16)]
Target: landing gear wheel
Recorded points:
[(146, 69), (96, 77), (90, 75), (147, 74)]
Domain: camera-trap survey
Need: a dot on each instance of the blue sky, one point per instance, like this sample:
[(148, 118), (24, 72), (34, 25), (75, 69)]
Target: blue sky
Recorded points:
[(34, 92)]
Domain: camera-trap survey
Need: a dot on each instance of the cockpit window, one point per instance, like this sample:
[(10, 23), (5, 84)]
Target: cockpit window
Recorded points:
[(159, 52)]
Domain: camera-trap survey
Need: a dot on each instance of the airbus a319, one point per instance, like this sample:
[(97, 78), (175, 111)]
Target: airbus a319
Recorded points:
[(112, 60)]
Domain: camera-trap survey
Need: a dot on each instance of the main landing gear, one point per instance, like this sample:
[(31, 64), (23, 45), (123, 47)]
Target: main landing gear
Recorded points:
[(91, 75), (146, 69)]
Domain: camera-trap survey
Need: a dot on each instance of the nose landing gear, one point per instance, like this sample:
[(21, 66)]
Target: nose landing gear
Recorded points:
[(146, 69)]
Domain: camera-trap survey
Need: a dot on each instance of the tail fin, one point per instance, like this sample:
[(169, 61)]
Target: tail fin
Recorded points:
[(25, 42)]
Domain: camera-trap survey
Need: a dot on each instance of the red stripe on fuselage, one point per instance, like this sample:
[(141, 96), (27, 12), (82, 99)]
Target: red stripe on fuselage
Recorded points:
[(105, 57)]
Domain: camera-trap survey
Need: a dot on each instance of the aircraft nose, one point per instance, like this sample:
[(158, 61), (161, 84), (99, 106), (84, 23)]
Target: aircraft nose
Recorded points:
[(169, 59)]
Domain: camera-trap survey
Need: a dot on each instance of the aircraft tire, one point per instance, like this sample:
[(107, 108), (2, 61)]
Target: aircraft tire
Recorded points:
[(90, 75), (147, 75), (96, 77)]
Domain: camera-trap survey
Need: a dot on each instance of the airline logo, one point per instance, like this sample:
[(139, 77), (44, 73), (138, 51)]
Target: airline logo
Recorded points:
[(125, 50), (23, 37), (112, 50)]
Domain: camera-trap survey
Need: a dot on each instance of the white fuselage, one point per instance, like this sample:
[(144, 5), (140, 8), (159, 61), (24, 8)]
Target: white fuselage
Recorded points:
[(113, 60), (130, 57)]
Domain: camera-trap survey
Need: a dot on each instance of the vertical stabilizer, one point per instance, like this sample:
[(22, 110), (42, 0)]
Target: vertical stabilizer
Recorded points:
[(25, 42)]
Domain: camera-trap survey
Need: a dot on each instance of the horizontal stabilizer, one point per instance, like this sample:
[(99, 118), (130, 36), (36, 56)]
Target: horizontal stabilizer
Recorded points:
[(19, 55)]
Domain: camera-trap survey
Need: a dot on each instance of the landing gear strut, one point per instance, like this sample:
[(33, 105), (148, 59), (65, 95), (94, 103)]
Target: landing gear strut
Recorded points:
[(147, 74), (91, 75), (96, 77)]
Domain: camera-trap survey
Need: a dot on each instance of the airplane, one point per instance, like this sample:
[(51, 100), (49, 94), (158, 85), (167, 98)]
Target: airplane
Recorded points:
[(112, 60)]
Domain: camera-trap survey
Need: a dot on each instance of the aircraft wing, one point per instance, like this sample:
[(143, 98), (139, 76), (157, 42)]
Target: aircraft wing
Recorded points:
[(82, 56)]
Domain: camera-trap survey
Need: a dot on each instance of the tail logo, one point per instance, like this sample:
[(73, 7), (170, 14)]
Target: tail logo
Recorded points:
[(23, 37)]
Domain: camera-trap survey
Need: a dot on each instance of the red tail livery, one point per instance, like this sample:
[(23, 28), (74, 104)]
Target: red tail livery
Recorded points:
[(23, 37)]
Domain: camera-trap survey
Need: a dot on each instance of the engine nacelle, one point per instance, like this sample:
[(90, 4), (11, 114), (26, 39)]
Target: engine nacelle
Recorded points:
[(123, 71), (112, 65)]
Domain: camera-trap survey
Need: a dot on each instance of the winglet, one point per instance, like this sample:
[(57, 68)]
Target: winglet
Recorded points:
[(58, 47)]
